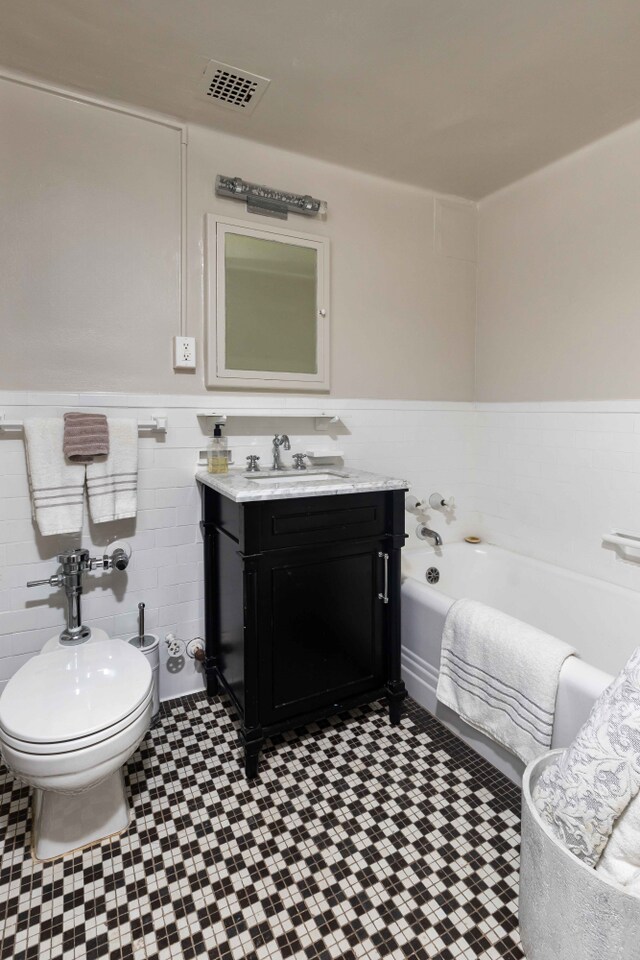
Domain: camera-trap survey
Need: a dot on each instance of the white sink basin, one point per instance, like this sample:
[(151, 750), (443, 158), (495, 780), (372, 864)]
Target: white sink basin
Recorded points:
[(302, 477)]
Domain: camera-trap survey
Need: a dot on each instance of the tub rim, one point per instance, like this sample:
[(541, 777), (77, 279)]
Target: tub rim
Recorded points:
[(487, 546)]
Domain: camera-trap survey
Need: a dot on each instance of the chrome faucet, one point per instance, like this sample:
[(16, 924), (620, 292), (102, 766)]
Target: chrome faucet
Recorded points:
[(433, 535), (279, 441)]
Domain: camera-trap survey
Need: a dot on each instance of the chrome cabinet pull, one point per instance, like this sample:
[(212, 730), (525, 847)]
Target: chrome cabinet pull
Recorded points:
[(385, 595)]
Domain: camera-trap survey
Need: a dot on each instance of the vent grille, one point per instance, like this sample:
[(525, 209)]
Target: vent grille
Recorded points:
[(234, 89)]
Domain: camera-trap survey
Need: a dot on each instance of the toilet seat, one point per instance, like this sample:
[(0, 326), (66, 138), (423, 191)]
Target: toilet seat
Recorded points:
[(72, 771), (69, 699), (77, 743)]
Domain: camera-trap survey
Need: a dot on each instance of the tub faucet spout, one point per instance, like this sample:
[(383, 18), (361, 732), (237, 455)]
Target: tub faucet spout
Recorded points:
[(431, 535)]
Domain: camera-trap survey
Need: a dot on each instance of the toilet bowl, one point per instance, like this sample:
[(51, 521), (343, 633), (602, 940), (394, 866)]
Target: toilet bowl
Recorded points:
[(69, 720)]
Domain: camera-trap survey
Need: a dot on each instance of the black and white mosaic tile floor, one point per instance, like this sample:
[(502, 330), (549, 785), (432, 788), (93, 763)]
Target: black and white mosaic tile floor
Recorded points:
[(359, 840)]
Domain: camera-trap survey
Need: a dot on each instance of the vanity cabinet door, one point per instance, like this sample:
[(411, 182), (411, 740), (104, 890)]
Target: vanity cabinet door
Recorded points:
[(320, 630)]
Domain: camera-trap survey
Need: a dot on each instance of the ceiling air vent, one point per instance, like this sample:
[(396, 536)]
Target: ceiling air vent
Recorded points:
[(234, 89)]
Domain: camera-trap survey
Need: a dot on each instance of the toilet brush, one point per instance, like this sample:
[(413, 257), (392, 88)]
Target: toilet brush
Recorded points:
[(142, 640)]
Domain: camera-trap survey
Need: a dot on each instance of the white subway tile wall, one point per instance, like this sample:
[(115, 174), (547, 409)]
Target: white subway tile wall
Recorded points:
[(429, 444), (552, 478), (546, 480)]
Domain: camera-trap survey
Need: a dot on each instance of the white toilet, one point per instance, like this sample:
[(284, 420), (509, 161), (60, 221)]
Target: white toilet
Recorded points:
[(70, 718)]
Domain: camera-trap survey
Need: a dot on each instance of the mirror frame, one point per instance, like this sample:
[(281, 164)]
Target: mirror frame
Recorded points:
[(217, 374)]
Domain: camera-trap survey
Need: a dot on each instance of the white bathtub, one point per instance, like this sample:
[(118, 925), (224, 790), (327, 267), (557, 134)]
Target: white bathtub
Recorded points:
[(600, 620)]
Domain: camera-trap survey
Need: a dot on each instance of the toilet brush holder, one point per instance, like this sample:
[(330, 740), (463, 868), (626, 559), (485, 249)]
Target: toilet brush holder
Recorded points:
[(150, 648), (149, 645)]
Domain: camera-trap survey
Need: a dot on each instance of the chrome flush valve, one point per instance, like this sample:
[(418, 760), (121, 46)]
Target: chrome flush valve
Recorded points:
[(75, 563), (118, 560)]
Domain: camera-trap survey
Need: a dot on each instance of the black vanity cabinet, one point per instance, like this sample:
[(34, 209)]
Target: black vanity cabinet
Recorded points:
[(302, 607)]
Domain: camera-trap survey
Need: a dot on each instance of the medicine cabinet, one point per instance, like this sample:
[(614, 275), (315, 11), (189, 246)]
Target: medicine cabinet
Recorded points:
[(268, 307)]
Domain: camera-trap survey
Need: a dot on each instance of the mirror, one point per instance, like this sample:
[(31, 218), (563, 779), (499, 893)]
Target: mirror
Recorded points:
[(268, 320), (270, 305)]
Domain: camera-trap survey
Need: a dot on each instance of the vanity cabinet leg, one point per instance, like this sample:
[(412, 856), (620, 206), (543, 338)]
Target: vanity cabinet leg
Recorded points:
[(213, 684), (395, 712), (396, 692), (252, 747)]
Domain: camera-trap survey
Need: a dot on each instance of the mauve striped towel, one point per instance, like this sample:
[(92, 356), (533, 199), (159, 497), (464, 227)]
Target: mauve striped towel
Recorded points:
[(86, 435)]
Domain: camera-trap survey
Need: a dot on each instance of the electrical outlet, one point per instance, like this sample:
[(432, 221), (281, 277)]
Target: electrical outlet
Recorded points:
[(184, 353)]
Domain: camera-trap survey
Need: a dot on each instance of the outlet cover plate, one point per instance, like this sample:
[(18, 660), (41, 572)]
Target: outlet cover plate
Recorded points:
[(184, 353)]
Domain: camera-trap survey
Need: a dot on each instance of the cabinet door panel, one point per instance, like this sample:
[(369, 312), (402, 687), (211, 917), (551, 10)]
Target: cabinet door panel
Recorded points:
[(322, 639)]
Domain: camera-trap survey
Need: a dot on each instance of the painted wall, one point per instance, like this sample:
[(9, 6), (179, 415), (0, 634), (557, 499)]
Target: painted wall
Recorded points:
[(402, 292), (90, 254), (89, 246), (559, 279)]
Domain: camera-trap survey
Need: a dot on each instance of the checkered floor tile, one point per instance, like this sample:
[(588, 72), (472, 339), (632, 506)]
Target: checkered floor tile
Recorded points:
[(359, 840)]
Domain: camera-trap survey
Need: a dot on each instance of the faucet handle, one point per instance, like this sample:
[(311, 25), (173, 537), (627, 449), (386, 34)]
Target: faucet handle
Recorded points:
[(436, 500), (297, 461), (54, 581), (252, 463)]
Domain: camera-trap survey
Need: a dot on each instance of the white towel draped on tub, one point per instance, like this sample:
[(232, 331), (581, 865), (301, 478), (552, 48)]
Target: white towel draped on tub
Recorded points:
[(501, 676), (112, 481), (57, 485)]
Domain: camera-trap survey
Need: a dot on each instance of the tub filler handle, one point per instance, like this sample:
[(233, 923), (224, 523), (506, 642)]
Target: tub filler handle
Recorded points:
[(384, 596)]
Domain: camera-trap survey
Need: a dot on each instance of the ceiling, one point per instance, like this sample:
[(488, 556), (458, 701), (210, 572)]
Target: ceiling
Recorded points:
[(460, 96)]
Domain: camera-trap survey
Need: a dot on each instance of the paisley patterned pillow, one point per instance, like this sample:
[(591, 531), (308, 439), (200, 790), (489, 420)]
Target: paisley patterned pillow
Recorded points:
[(583, 793)]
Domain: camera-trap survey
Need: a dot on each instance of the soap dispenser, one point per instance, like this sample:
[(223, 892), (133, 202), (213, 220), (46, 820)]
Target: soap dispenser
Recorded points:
[(218, 452)]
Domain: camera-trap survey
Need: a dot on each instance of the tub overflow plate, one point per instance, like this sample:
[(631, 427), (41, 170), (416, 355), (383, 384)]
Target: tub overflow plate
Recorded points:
[(432, 575)]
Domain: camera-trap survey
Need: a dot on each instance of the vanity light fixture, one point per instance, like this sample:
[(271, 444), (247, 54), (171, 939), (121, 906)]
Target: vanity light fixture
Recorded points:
[(267, 201)]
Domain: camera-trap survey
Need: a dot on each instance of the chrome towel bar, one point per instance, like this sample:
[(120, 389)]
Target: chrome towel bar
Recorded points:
[(157, 423)]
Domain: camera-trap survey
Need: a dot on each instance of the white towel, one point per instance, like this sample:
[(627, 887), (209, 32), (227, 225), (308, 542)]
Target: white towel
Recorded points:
[(57, 485), (112, 481), (501, 676), (620, 860), (587, 789)]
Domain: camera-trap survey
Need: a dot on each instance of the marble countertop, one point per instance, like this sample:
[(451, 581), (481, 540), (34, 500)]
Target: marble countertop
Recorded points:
[(242, 488)]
